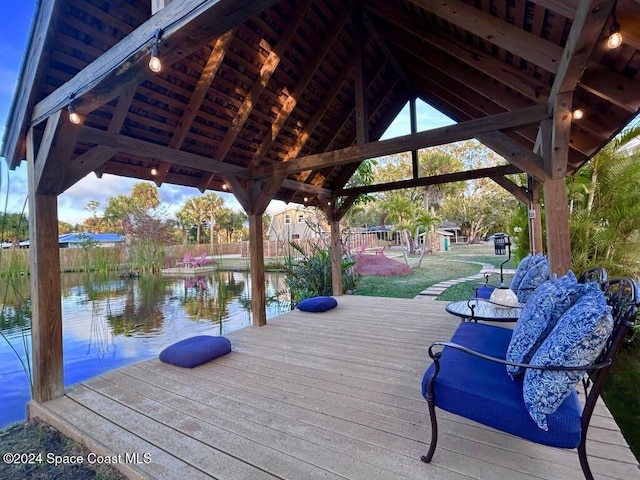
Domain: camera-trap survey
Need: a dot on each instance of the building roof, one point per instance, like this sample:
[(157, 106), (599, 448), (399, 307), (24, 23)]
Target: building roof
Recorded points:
[(83, 237), (292, 94)]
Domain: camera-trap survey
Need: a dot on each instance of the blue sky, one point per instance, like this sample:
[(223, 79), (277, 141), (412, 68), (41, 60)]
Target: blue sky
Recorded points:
[(71, 204)]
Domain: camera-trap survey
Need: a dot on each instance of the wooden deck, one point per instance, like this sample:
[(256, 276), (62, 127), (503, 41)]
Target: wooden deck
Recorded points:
[(332, 396)]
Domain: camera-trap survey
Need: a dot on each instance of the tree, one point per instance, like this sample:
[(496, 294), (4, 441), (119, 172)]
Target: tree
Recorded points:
[(605, 208), (14, 227)]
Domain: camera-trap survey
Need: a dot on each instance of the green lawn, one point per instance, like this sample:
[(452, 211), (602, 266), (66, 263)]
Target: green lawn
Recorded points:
[(458, 262)]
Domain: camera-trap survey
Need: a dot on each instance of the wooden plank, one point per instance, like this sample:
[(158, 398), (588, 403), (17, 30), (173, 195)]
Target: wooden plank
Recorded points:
[(534, 49), (437, 136), (516, 190)]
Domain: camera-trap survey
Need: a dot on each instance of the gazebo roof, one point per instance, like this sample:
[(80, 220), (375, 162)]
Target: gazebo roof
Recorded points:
[(293, 93)]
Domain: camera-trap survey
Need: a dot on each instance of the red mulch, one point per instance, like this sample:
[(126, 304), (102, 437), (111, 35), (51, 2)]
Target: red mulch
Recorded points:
[(379, 265)]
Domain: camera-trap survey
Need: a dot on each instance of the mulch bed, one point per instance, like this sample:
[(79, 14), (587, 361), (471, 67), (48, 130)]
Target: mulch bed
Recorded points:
[(380, 265)]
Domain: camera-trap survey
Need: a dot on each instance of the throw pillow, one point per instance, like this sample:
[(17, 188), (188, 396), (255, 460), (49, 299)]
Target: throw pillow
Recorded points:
[(520, 272), (539, 315), (576, 340), (195, 351), (317, 304), (537, 273)]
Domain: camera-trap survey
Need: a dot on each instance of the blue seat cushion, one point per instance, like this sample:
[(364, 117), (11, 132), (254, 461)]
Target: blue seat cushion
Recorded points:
[(317, 304), (483, 391), (195, 351)]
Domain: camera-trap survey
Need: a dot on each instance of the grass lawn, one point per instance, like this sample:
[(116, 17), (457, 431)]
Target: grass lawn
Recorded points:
[(460, 261)]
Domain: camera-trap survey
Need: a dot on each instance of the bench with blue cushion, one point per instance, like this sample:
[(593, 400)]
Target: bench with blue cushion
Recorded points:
[(468, 376)]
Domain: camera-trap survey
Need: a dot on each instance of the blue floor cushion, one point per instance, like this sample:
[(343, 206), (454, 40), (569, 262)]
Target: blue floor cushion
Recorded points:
[(195, 351), (317, 304)]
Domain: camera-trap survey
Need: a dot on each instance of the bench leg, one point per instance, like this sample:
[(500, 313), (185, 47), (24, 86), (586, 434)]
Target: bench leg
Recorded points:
[(432, 412), (584, 461)]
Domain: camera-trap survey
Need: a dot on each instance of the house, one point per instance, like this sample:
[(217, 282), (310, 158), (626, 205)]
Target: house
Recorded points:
[(295, 223), (77, 240)]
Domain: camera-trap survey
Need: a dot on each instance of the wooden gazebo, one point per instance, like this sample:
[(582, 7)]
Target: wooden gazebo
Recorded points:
[(281, 99)]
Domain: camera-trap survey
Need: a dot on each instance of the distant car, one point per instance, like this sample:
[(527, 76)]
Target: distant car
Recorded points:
[(492, 237)]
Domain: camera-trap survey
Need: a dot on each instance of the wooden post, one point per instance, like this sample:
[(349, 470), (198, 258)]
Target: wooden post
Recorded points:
[(414, 129), (336, 257), (557, 220), (46, 310), (535, 223), (256, 265)]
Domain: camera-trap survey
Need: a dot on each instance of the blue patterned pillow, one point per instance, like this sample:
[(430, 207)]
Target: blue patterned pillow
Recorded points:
[(539, 315), (577, 339), (520, 272), (537, 274)]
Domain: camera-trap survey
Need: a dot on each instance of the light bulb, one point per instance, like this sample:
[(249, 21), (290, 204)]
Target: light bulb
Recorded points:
[(224, 186), (73, 115), (615, 40), (578, 114), (154, 171), (155, 65)]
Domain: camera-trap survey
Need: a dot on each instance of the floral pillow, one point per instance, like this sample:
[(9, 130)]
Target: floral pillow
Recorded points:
[(537, 274), (539, 315), (523, 266), (577, 339)]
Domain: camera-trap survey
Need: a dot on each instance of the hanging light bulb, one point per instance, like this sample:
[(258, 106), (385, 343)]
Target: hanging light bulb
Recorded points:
[(154, 171), (73, 115), (577, 114), (615, 37), (155, 65), (224, 186)]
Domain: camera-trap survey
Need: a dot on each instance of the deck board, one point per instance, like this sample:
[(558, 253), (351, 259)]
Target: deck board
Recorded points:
[(333, 396)]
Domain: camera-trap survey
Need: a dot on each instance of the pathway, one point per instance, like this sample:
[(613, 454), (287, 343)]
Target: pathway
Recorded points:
[(432, 292)]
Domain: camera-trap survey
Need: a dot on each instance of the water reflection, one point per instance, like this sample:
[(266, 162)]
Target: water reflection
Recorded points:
[(109, 322)]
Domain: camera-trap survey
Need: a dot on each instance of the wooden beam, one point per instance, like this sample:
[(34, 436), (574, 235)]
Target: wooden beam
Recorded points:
[(612, 87), (381, 42), (556, 207), (566, 8), (185, 26), (157, 5), (17, 125), (514, 153), (530, 47), (336, 258), (96, 157), (438, 136), (433, 180), (144, 149), (46, 309), (557, 158), (591, 17), (306, 188), (359, 78), (516, 190), (209, 72)]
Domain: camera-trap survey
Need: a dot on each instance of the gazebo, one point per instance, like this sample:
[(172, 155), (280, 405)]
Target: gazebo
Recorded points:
[(282, 99)]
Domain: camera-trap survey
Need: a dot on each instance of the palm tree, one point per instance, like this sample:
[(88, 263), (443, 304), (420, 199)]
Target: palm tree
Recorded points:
[(605, 208)]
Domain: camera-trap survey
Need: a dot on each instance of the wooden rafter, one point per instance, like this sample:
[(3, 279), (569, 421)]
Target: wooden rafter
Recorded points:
[(533, 49), (185, 26), (197, 97), (291, 101), (266, 71)]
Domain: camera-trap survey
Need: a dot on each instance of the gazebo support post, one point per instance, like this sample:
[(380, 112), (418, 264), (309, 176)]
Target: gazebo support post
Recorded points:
[(256, 265), (535, 217), (44, 269)]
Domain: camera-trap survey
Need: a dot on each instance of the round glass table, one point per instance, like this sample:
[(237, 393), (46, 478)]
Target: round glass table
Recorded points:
[(480, 309)]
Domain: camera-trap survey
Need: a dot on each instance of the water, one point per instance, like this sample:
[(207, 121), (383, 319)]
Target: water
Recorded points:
[(111, 322)]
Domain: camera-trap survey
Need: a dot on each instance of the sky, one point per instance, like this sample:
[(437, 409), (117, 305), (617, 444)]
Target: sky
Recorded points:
[(71, 203)]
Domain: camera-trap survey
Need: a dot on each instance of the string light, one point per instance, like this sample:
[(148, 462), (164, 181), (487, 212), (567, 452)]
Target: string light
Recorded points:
[(155, 65), (154, 171), (615, 37), (73, 115), (577, 114), (224, 186)]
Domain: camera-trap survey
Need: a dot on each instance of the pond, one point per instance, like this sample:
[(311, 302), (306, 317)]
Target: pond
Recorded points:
[(110, 322)]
